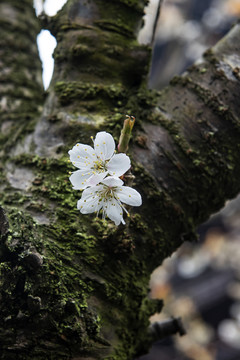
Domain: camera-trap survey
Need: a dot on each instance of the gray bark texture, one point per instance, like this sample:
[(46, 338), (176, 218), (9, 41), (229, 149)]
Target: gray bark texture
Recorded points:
[(73, 286)]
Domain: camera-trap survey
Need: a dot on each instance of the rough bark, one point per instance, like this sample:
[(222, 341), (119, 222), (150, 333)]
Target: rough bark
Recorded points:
[(73, 286)]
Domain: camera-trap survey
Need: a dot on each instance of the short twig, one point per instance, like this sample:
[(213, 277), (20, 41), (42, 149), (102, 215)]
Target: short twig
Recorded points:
[(162, 329)]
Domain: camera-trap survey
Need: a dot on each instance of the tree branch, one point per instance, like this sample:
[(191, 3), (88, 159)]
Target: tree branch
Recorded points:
[(20, 69), (191, 148)]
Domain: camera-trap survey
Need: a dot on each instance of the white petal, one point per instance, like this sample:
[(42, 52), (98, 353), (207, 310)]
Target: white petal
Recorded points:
[(114, 211), (96, 178), (104, 145), (90, 201), (82, 156), (79, 179), (112, 181), (128, 195), (95, 190), (118, 164)]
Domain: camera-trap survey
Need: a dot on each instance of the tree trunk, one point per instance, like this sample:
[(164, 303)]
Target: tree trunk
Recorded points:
[(72, 285)]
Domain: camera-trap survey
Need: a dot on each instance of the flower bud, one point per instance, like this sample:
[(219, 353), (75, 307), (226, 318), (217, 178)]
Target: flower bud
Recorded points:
[(126, 134)]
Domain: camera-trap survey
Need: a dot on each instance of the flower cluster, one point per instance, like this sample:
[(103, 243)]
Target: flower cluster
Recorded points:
[(98, 176)]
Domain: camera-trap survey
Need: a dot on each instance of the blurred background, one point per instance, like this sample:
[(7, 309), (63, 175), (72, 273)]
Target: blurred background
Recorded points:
[(201, 284), (201, 281), (185, 29)]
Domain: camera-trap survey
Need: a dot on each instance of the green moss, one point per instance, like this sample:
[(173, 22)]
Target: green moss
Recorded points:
[(67, 92), (60, 283), (86, 247)]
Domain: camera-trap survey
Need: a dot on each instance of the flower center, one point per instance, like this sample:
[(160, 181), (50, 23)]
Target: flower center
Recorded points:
[(100, 165), (106, 193)]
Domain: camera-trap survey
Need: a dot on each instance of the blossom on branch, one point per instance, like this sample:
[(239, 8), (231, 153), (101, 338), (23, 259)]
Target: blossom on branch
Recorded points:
[(98, 175), (108, 197), (96, 163)]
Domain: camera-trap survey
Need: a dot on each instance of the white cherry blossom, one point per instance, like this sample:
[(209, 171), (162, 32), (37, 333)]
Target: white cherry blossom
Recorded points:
[(109, 196), (96, 163)]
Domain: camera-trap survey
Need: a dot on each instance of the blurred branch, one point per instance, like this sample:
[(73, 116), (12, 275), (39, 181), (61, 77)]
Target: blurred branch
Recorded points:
[(156, 21)]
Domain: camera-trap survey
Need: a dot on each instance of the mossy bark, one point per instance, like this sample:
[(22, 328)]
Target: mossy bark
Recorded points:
[(73, 286)]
